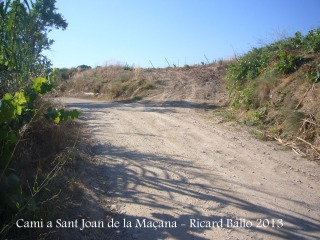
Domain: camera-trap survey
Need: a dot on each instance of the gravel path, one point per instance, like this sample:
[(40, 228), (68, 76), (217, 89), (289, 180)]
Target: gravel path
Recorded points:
[(176, 173)]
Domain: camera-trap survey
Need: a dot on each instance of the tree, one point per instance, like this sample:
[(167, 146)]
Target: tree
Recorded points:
[(24, 29), (83, 67)]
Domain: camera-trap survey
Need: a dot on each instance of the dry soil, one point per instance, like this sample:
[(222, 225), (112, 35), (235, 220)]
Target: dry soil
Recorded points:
[(169, 159)]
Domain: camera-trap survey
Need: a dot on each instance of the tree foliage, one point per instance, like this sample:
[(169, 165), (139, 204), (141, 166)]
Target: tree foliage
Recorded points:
[(24, 29), (24, 76)]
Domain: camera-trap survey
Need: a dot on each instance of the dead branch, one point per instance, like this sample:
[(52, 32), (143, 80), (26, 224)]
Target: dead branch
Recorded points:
[(311, 145), (303, 97)]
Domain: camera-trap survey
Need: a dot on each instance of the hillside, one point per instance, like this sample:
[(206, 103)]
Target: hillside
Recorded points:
[(194, 84), (274, 88)]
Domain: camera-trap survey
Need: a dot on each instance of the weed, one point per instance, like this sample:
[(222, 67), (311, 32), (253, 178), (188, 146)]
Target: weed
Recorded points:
[(227, 114), (258, 134), (254, 117)]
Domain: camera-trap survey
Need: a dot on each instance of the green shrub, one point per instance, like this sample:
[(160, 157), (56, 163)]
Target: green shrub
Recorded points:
[(287, 64), (312, 40), (314, 75), (248, 67), (281, 56), (254, 117)]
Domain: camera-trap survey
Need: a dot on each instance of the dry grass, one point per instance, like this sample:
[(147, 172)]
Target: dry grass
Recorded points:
[(265, 85), (115, 82)]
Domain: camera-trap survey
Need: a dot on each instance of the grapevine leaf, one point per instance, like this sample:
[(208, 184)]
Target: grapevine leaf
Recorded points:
[(7, 96), (41, 85), (75, 114), (58, 117), (20, 102)]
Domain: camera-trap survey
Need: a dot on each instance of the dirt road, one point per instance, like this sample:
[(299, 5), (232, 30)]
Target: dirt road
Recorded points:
[(176, 173)]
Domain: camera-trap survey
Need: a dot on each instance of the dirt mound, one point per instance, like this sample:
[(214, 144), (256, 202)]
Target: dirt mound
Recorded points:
[(192, 84), (199, 84)]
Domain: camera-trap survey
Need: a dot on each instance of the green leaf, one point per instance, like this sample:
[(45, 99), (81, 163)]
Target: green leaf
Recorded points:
[(75, 114), (7, 96), (20, 102), (41, 85), (57, 118)]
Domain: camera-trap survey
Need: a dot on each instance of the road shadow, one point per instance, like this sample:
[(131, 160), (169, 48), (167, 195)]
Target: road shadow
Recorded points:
[(148, 106)]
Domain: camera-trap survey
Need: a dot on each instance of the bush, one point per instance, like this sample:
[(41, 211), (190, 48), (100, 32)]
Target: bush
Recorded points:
[(287, 64), (279, 56), (269, 84), (247, 68), (314, 74), (312, 40)]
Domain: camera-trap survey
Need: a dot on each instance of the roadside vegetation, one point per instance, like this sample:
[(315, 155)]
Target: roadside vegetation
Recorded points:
[(113, 82), (37, 139), (276, 88)]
